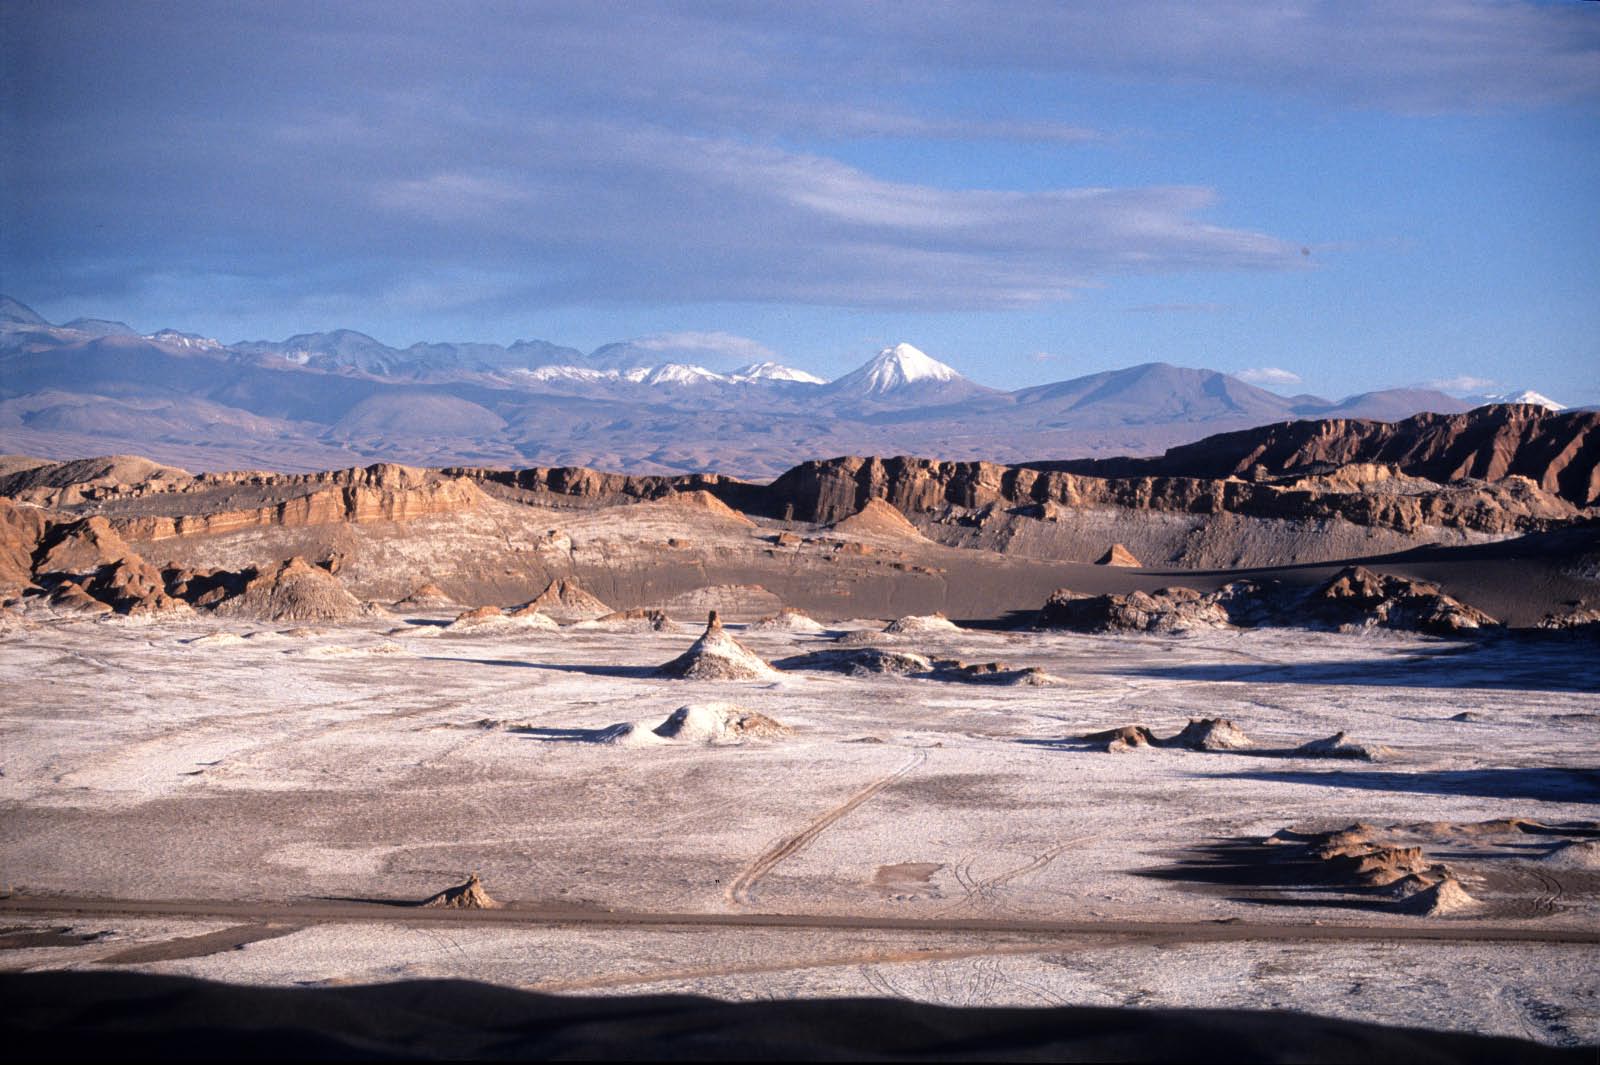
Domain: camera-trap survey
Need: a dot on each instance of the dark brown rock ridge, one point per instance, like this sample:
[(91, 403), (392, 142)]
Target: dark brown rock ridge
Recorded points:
[(831, 490), (1558, 451)]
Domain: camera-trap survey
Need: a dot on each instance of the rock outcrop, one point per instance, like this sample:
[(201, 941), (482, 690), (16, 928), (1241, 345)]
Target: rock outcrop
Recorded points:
[(788, 619), (56, 484), (1200, 734), (718, 656), (564, 599), (21, 529), (1441, 898), (80, 548), (493, 617), (426, 596), (635, 620), (719, 723), (1355, 597), (921, 623), (468, 896), (877, 518), (1118, 555), (97, 562), (1165, 610), (1339, 745), (293, 590), (363, 500), (860, 661), (69, 597)]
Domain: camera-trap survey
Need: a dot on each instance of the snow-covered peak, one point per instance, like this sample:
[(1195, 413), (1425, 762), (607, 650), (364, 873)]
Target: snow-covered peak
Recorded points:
[(896, 368), (1527, 395), (565, 373), (192, 341), (677, 373), (774, 371)]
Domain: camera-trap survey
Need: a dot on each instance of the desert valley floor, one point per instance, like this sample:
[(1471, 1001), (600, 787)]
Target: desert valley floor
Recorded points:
[(252, 802)]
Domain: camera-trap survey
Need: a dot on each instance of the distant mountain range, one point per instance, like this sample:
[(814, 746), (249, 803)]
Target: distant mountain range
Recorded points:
[(323, 399)]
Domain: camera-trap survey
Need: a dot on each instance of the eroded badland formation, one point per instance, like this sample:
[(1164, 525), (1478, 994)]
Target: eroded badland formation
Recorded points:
[(1301, 716)]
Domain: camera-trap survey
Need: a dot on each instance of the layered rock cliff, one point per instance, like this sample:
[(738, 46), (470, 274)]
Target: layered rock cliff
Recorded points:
[(1558, 452), (830, 490)]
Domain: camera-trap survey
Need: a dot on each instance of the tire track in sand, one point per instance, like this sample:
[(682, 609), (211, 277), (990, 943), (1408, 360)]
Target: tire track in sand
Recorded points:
[(738, 893)]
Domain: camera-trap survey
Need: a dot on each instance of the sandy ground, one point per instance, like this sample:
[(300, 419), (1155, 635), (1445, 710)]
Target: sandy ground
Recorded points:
[(269, 767)]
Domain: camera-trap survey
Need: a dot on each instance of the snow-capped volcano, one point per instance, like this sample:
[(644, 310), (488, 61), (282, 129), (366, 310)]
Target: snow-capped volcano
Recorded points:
[(896, 369), (1527, 395)]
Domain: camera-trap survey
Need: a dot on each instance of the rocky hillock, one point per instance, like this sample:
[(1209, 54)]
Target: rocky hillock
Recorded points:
[(294, 590)]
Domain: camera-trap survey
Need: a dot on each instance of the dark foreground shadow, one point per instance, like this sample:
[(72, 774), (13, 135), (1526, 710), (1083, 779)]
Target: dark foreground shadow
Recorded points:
[(1551, 784), (77, 1016)]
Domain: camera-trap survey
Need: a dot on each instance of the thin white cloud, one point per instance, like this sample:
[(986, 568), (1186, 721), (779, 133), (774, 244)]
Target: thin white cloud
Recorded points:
[(1177, 308), (727, 345), (642, 213), (1464, 383), (1268, 375)]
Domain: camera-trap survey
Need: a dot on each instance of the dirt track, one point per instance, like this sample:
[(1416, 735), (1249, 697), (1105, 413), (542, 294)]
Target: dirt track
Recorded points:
[(338, 911)]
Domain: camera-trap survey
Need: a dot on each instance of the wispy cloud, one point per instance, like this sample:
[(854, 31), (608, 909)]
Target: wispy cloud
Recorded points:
[(1463, 383), (1268, 375), (724, 347), (331, 154), (1177, 308)]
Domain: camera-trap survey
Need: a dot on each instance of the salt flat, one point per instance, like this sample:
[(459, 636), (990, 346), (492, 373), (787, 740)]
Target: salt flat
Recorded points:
[(264, 768)]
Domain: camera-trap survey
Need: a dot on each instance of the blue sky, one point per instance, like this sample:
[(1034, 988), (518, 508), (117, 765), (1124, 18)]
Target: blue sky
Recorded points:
[(1327, 197)]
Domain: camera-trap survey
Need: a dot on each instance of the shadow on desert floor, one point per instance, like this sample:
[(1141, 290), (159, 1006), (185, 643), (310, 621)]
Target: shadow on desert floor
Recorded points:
[(566, 735), (1528, 782), (636, 672), (1445, 668), (1078, 744)]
